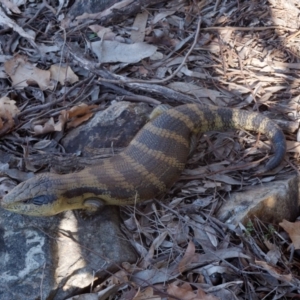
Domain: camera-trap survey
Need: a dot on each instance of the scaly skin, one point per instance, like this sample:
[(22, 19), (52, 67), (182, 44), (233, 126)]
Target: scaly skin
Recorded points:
[(149, 166)]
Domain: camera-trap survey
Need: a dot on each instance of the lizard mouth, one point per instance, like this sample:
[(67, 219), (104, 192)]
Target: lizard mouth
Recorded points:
[(42, 205)]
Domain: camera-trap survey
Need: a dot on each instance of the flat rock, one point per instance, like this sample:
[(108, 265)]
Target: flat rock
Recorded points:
[(88, 249), (56, 257), (90, 6), (111, 128), (270, 202), (26, 259)]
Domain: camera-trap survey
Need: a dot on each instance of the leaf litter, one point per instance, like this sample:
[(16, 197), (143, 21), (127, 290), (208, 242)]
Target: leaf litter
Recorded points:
[(243, 56)]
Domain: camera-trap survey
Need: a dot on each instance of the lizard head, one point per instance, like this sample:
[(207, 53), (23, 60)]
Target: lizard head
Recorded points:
[(37, 196), (45, 195)]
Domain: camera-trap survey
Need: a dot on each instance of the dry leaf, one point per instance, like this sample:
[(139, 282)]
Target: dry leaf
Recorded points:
[(201, 233), (293, 229), (113, 282), (79, 114), (155, 244), (22, 73), (113, 51), (106, 12), (139, 26), (106, 293), (49, 126), (103, 32), (8, 110), (273, 254), (117, 278), (63, 74), (147, 294), (203, 296), (275, 272), (293, 146), (8, 107), (162, 14), (62, 120), (212, 235), (80, 110), (185, 292), (11, 6), (6, 21), (194, 90), (188, 256)]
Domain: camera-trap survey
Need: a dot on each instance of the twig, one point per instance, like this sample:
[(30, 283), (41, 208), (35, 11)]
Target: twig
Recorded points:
[(59, 100), (42, 281), (247, 28), (123, 80), (167, 78), (35, 15), (49, 7)]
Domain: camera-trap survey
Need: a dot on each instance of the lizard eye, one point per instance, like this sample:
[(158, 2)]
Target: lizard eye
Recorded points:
[(40, 200)]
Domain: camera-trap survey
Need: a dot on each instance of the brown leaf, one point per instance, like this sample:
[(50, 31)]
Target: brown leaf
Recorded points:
[(49, 126), (273, 254), (79, 114), (22, 73), (8, 110), (62, 119), (293, 146), (63, 74), (146, 294), (201, 295), (275, 272), (8, 107), (188, 256), (293, 229), (155, 244), (12, 6), (185, 292), (103, 32), (116, 279)]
